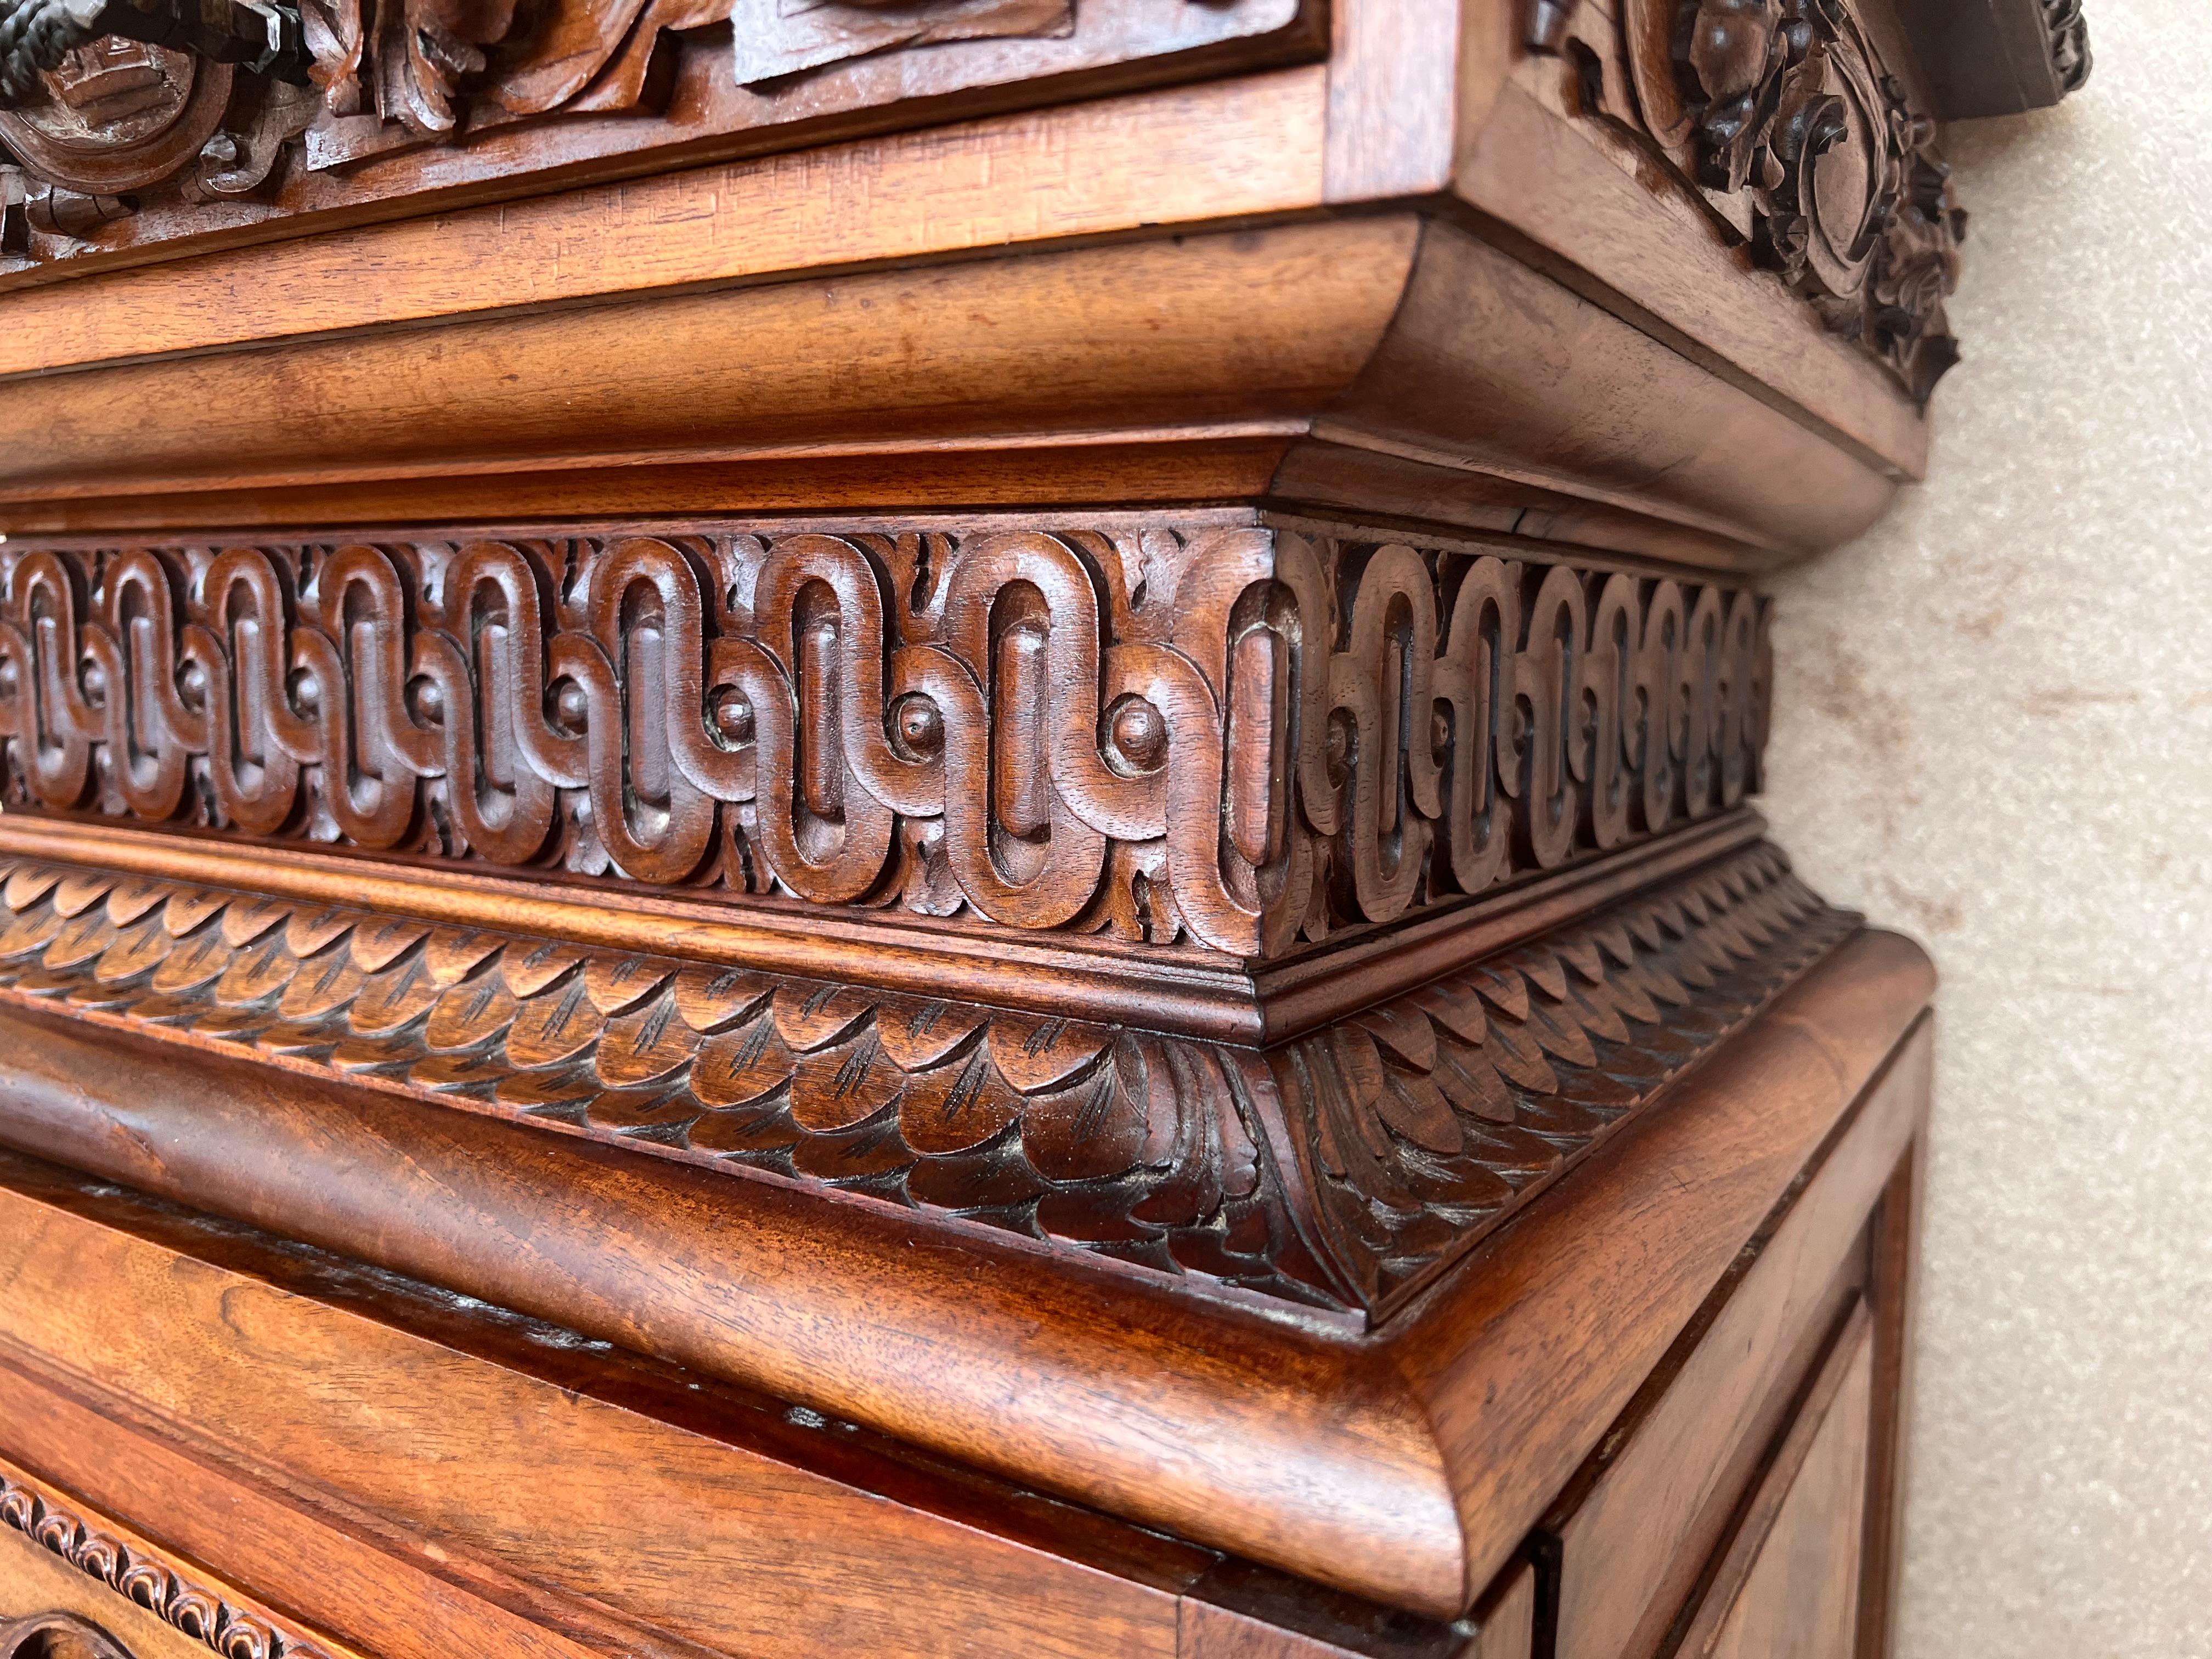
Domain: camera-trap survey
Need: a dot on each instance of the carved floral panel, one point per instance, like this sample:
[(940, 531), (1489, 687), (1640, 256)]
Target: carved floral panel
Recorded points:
[(116, 141), (1783, 115)]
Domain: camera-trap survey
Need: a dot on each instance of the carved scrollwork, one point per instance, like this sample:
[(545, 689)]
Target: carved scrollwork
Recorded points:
[(233, 1631), (1804, 144), (1334, 1170), (114, 116), (1251, 737), (1791, 103)]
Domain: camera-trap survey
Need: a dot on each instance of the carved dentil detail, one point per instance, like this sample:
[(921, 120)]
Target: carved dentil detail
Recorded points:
[(1250, 737)]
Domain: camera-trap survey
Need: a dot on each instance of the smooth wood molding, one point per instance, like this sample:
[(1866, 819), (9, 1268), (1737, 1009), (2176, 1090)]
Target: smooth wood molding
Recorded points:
[(1630, 1529), (1640, 1272), (1376, 335), (1545, 188)]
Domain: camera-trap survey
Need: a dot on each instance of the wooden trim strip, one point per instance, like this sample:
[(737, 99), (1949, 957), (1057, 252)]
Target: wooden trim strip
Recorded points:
[(1218, 149)]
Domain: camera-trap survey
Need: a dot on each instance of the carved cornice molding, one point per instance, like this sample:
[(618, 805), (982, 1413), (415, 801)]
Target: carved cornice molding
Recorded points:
[(186, 1606), (1338, 1171), (1254, 737)]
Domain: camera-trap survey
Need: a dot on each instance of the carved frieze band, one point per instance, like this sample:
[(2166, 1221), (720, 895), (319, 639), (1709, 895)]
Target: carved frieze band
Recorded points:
[(1250, 736), (197, 1612), (1334, 1170)]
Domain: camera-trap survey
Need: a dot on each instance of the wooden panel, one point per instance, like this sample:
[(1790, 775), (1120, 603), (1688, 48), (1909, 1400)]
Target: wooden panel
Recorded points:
[(1787, 1587), (1896, 1252), (1985, 57), (1535, 1348), (1391, 82), (1635, 1526), (771, 77), (346, 1412), (1246, 146)]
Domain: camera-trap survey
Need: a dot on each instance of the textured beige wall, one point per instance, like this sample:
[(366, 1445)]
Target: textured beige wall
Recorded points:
[(1995, 731)]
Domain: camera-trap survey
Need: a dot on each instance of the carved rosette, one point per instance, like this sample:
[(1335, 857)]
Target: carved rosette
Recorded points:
[(1250, 738)]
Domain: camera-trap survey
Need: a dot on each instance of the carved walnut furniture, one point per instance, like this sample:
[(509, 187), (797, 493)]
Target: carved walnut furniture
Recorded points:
[(921, 826)]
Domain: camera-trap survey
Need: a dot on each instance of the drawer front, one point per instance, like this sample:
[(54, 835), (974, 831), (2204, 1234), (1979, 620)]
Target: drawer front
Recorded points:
[(1633, 1532)]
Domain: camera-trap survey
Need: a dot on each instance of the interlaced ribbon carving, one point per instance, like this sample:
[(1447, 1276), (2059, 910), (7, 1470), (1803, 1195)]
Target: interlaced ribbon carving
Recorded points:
[(1251, 735)]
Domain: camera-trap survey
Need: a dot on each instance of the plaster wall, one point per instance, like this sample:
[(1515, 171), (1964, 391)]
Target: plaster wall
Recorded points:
[(1994, 731)]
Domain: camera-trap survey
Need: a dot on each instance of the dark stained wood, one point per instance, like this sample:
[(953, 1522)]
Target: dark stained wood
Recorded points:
[(584, 91), (2000, 56), (1573, 206), (420, 1523), (1223, 150), (1895, 1249), (57, 1555), (526, 657), (1523, 1379), (925, 828), (1171, 1367)]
